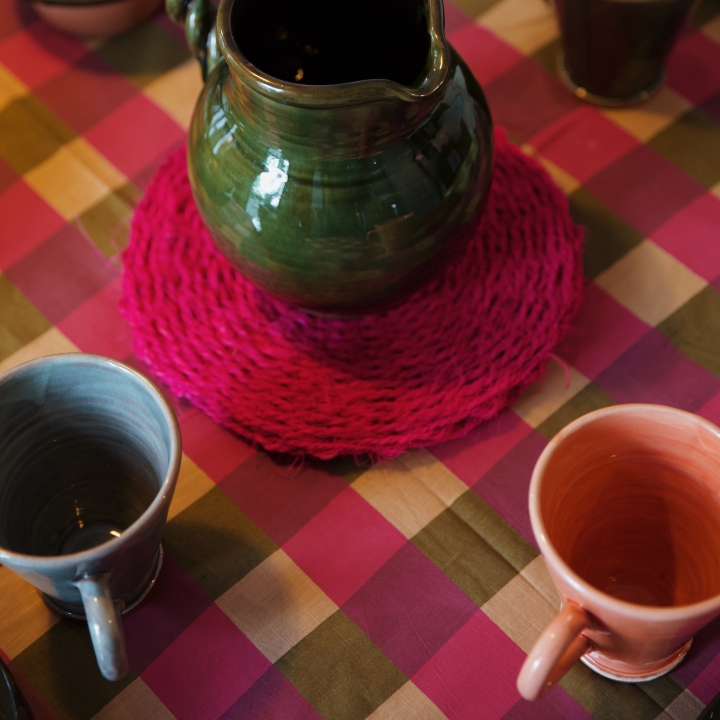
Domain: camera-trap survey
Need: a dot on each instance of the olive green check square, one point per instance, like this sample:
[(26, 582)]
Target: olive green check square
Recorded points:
[(547, 56), (475, 547), (216, 542), (20, 321), (30, 133), (340, 671), (692, 142), (609, 700), (474, 8), (608, 236), (590, 398), (695, 329), (144, 53), (61, 665), (663, 690), (130, 194), (107, 224)]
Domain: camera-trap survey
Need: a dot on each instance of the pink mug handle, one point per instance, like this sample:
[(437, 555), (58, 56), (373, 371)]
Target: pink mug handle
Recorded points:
[(557, 648)]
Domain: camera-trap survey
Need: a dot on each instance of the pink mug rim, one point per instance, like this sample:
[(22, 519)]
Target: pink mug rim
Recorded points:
[(553, 558)]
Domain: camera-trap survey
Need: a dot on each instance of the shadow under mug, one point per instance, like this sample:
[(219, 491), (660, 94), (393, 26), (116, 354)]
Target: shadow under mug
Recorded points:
[(89, 457), (614, 51), (625, 507)]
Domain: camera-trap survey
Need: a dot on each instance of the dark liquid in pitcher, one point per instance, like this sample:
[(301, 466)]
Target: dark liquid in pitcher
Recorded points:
[(618, 48), (327, 42)]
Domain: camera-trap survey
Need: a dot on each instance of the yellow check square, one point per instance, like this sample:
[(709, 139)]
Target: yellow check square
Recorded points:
[(74, 178)]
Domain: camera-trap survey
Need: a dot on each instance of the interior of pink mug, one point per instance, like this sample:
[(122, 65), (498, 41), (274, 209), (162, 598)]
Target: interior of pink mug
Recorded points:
[(631, 502)]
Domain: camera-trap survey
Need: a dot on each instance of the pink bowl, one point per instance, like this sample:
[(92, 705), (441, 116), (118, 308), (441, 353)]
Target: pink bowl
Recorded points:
[(97, 19)]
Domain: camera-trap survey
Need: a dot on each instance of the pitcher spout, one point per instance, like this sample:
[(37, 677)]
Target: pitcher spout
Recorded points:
[(384, 49), (319, 53)]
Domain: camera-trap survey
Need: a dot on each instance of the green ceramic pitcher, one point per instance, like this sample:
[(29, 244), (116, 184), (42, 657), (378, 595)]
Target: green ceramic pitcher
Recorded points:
[(340, 152)]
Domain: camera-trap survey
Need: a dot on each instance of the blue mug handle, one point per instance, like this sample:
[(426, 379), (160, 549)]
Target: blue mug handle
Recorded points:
[(104, 618)]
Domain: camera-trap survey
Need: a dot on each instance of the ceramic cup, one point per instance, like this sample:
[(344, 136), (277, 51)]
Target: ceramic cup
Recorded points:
[(615, 51), (89, 457), (95, 18), (625, 507)]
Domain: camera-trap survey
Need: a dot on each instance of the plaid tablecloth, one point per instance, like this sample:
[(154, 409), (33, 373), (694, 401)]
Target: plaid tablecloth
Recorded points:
[(409, 590)]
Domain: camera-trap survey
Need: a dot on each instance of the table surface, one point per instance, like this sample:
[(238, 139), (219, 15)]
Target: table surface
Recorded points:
[(412, 589)]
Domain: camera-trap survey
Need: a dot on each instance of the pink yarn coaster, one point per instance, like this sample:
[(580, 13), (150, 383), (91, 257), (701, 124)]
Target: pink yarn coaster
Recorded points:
[(451, 356)]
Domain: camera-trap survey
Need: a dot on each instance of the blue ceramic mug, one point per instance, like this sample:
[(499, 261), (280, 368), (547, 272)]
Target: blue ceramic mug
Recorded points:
[(89, 457)]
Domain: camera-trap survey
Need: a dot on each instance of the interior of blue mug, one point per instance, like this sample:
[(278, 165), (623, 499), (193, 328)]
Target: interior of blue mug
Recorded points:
[(84, 450)]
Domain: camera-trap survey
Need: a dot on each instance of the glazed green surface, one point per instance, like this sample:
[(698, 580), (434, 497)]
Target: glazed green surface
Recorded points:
[(346, 206)]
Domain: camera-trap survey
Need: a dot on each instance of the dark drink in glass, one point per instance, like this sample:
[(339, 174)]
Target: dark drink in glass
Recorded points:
[(615, 50)]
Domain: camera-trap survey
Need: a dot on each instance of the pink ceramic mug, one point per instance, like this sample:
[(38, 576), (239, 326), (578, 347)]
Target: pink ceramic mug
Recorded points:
[(625, 506)]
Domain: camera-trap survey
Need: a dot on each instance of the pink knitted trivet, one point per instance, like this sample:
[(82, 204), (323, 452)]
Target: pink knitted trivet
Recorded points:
[(451, 356)]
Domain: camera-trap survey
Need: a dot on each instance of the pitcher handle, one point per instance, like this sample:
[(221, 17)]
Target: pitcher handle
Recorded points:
[(558, 647), (199, 18), (105, 624)]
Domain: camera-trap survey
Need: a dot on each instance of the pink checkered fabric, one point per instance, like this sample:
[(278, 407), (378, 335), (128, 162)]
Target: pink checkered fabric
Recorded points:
[(449, 357)]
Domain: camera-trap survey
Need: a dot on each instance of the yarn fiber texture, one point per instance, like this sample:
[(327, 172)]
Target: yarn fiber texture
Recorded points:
[(451, 356)]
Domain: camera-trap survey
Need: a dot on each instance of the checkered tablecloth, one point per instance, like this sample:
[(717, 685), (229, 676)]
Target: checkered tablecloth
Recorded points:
[(412, 589)]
